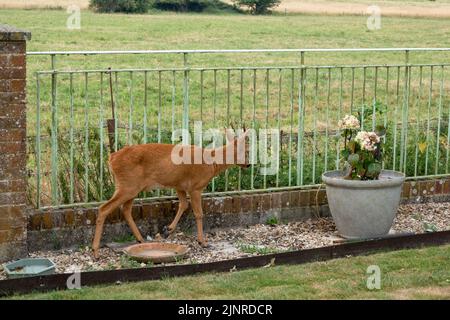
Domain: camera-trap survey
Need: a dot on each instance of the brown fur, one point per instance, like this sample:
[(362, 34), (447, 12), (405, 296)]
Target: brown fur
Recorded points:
[(148, 166)]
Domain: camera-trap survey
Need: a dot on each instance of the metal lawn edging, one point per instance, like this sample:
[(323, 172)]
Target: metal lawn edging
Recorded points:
[(59, 281)]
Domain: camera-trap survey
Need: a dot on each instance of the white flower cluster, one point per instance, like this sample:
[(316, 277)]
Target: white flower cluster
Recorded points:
[(349, 122), (367, 140)]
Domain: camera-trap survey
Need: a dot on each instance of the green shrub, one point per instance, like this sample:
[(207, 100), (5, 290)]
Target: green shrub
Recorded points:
[(258, 6), (191, 5), (142, 6), (181, 5), (127, 6)]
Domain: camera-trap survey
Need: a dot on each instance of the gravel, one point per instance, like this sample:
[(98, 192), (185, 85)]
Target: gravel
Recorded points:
[(252, 240)]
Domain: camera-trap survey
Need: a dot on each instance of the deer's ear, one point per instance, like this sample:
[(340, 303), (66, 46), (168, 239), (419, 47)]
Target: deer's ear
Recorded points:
[(229, 133)]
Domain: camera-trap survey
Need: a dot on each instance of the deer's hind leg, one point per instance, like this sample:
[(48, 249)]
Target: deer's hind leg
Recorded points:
[(196, 201), (181, 209), (116, 201), (127, 212)]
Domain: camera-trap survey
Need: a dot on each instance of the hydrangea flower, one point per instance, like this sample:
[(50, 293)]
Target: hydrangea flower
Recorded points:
[(349, 122), (367, 140)]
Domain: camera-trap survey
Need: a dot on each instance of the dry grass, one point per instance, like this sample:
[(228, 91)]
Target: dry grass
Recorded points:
[(421, 293), (32, 4), (435, 9)]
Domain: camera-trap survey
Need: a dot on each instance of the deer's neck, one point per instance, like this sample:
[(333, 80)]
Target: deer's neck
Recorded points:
[(222, 165)]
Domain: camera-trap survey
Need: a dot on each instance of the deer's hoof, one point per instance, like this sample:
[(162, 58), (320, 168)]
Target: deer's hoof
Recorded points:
[(96, 254), (165, 232), (204, 244)]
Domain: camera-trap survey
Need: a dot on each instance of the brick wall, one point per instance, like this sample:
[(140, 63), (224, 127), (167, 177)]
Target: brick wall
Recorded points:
[(13, 220), (53, 229)]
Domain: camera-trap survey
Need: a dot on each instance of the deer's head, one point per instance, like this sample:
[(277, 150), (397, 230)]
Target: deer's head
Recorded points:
[(240, 146)]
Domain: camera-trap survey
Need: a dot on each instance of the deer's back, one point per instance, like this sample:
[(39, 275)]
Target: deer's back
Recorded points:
[(151, 165)]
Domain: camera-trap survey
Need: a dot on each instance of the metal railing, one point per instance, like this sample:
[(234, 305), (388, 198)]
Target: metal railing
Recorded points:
[(68, 163)]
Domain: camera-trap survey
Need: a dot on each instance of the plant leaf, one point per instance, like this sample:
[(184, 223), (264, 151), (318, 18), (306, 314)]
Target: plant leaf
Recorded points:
[(374, 169), (353, 159), (422, 146), (351, 146), (380, 130)]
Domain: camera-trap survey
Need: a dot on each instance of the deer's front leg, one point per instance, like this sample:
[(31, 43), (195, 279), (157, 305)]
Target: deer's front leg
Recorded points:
[(196, 202)]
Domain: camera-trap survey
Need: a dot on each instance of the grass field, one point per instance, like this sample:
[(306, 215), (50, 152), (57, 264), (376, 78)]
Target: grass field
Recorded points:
[(197, 31), (408, 274)]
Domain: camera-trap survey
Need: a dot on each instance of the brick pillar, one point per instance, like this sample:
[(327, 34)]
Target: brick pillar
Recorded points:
[(13, 222)]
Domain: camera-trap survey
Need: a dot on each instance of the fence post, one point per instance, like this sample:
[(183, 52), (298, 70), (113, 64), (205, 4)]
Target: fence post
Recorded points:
[(13, 179)]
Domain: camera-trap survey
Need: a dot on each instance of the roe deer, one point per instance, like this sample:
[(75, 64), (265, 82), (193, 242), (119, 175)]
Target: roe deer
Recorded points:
[(148, 166)]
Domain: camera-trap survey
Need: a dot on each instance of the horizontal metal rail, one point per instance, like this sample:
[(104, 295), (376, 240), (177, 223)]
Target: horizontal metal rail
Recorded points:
[(227, 193), (90, 278), (309, 67), (200, 51)]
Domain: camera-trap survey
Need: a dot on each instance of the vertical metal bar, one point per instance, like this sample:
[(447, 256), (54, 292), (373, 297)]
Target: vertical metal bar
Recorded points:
[(396, 120), (341, 86), (438, 133), (418, 114), (405, 108), (72, 143), (174, 88), (130, 112), (101, 137), (54, 138), (327, 107), (158, 191), (280, 79), (145, 106), (387, 104), (301, 124), (316, 107), (300, 121), (116, 121), (159, 106), (228, 118), (430, 97), (186, 93), (374, 104), (291, 123), (266, 126), (38, 142), (213, 183), (252, 170), (201, 97), (241, 108), (353, 90), (86, 139), (173, 110), (363, 98)]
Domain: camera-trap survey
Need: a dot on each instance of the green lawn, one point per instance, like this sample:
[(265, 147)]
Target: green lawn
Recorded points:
[(407, 274), (203, 31)]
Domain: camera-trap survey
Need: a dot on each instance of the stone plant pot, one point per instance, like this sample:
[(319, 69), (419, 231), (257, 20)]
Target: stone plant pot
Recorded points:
[(363, 209)]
